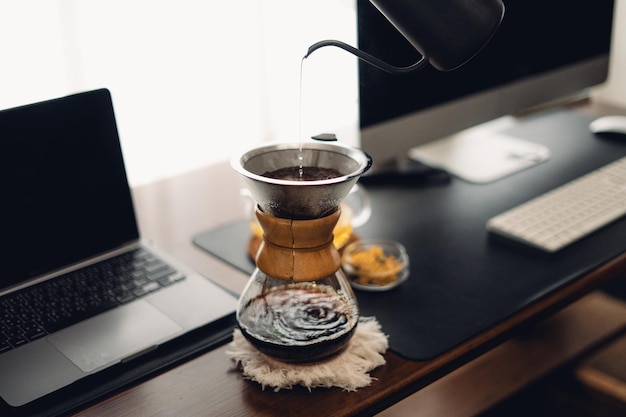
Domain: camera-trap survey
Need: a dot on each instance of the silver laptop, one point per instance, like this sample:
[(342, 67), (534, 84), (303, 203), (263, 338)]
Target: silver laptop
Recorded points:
[(68, 222)]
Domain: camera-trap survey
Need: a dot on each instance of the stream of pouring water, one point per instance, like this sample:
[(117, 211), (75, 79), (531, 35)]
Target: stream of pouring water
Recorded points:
[(322, 137), (300, 155)]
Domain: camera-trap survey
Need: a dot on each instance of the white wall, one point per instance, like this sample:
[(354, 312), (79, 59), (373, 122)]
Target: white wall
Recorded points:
[(614, 90), (192, 80)]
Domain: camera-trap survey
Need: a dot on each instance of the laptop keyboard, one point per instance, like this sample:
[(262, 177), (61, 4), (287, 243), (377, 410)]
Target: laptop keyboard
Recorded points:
[(34, 312)]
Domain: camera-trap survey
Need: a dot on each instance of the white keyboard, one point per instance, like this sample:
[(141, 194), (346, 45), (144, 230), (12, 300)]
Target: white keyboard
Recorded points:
[(568, 213)]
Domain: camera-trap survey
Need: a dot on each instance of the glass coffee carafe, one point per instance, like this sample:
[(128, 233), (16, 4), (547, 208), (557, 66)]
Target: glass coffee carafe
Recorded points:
[(298, 305)]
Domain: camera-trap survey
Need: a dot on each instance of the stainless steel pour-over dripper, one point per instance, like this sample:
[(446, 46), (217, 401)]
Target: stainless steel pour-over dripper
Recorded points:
[(301, 199)]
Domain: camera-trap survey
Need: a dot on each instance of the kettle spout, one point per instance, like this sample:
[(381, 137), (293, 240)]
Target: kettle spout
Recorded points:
[(372, 60)]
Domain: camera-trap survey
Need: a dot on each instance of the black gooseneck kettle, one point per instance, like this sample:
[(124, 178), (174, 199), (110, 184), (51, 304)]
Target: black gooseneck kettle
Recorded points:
[(447, 33)]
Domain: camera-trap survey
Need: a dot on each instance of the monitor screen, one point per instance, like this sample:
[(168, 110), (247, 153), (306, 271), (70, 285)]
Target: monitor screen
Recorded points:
[(545, 50)]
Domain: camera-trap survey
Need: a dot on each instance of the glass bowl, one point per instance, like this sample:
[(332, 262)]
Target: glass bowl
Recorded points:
[(375, 264)]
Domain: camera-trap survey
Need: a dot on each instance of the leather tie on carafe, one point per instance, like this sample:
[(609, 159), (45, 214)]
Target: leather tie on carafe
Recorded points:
[(298, 250)]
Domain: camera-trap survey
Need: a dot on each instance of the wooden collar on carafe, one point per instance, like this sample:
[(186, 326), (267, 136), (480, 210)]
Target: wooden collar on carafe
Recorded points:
[(298, 250)]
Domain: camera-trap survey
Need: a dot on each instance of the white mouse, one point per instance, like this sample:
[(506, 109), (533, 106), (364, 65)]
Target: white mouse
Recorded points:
[(609, 125)]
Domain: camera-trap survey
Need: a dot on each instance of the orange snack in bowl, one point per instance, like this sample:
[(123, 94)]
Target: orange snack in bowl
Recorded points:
[(373, 267)]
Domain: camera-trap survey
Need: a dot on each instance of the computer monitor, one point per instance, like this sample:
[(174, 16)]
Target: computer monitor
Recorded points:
[(545, 50)]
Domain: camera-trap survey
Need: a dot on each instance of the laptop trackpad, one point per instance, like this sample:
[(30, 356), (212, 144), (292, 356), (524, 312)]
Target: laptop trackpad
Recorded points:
[(114, 335)]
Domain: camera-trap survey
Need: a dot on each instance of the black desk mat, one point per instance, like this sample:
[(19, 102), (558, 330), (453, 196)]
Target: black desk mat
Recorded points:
[(464, 281)]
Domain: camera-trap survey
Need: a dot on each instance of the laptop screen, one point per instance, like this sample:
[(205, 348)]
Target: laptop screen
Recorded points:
[(65, 191)]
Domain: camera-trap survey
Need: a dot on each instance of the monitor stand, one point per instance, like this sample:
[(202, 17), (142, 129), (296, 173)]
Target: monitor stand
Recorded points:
[(481, 154)]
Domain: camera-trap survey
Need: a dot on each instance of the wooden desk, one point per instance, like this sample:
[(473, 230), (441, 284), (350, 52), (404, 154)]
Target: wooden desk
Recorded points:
[(173, 210)]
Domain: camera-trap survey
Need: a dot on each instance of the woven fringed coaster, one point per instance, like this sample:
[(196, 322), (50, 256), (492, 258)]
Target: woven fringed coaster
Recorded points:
[(348, 370)]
